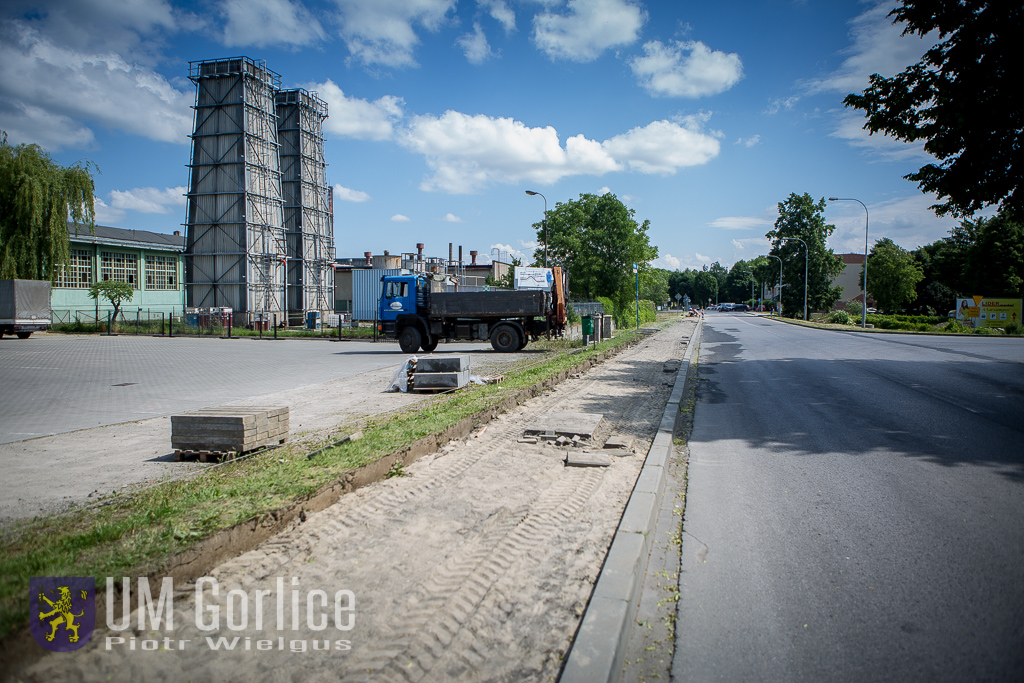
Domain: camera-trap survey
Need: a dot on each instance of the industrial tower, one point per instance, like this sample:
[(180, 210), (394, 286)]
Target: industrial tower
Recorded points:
[(237, 252)]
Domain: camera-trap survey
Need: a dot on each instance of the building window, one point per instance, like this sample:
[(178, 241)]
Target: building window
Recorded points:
[(119, 267), (78, 271), (161, 272)]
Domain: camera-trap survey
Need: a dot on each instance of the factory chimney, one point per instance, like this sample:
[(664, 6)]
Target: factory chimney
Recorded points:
[(472, 256), (369, 258), (419, 251)]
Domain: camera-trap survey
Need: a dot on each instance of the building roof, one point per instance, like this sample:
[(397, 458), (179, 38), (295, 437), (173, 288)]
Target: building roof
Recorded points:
[(851, 259), (122, 237)]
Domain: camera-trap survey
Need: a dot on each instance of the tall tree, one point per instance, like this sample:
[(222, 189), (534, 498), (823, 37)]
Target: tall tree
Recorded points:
[(803, 218), (681, 283), (705, 287), (598, 240), (892, 275), (37, 198), (959, 99)]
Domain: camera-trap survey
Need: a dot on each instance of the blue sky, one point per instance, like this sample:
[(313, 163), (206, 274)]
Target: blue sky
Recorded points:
[(700, 116)]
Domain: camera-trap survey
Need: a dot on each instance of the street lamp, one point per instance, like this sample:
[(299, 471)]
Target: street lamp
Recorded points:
[(805, 270), (780, 279), (864, 289), (534, 194)]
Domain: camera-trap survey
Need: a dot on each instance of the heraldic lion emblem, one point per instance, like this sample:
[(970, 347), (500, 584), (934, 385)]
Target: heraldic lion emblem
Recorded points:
[(63, 610)]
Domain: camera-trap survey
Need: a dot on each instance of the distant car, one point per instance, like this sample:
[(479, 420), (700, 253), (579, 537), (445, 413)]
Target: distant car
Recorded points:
[(740, 307), (872, 310), (951, 314)]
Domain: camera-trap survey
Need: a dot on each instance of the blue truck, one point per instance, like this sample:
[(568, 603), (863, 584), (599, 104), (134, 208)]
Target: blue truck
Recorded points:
[(419, 318)]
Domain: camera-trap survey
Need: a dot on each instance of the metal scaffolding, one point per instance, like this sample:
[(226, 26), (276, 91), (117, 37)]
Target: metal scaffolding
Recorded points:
[(234, 231), (308, 214)]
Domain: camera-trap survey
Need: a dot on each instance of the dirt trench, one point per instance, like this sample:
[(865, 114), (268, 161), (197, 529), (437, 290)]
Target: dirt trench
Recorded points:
[(474, 565)]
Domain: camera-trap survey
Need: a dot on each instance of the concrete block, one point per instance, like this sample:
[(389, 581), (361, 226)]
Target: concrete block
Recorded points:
[(567, 424), (651, 480), (657, 457), (619, 441), (641, 513), (586, 459), (442, 363), (599, 648), (622, 575), (440, 380)]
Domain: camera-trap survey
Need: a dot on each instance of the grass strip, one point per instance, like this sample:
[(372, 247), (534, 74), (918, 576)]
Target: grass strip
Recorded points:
[(135, 536)]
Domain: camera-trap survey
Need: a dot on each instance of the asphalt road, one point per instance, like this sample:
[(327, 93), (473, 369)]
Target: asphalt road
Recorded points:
[(54, 383), (855, 508)]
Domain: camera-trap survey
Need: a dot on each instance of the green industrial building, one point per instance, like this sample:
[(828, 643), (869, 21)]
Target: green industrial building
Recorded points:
[(150, 262)]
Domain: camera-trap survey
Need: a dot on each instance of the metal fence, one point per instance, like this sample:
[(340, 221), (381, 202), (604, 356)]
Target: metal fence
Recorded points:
[(587, 307)]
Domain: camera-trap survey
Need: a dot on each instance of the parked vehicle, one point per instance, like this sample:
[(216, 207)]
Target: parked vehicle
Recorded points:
[(410, 311), (24, 307), (740, 307)]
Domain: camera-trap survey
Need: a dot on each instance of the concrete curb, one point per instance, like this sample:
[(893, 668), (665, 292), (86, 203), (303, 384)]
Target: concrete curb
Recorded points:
[(598, 651)]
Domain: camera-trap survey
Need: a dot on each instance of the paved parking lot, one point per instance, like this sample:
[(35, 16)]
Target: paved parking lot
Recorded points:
[(55, 383)]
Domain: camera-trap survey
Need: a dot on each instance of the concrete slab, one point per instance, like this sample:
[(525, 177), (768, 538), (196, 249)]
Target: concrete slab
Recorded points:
[(623, 442), (442, 363), (583, 425), (440, 380), (586, 459)]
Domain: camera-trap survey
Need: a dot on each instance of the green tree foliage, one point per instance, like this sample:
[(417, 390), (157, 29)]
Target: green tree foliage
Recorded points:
[(801, 217), (115, 292), (893, 275), (705, 287), (681, 282), (598, 240), (959, 99), (738, 283), (37, 198), (654, 286)]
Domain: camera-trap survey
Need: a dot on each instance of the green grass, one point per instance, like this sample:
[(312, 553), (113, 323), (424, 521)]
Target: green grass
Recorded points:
[(135, 534)]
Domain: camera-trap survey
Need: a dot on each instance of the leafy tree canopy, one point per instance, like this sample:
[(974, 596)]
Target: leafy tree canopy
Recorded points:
[(960, 99), (37, 198), (803, 218), (892, 275), (115, 292), (598, 240), (705, 286)]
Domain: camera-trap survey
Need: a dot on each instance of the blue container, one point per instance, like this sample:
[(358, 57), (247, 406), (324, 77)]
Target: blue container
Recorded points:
[(312, 320)]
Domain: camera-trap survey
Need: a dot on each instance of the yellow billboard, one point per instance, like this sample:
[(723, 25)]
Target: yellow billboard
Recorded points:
[(979, 311)]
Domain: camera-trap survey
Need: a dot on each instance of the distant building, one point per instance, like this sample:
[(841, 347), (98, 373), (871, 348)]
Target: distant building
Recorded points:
[(150, 262), (851, 279)]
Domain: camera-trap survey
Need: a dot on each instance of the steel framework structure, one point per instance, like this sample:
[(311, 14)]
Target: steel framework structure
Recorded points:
[(234, 232), (308, 215)]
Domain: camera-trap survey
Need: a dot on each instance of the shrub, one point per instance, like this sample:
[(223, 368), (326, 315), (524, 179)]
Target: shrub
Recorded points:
[(955, 326), (1014, 329), (839, 318)]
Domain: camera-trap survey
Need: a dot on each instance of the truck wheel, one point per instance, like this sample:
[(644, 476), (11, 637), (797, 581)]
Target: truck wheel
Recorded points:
[(23, 335), (409, 339), (523, 341), (505, 339), (430, 344)]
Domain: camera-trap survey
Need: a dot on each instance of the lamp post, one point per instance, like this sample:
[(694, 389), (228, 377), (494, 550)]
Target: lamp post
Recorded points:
[(545, 221), (780, 278), (805, 270), (864, 288)]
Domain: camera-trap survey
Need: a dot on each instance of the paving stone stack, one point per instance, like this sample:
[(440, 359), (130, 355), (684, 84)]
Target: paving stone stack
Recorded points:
[(227, 431), (441, 373)]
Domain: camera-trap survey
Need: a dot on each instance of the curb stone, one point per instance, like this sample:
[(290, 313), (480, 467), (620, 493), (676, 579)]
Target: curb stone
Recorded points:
[(598, 651)]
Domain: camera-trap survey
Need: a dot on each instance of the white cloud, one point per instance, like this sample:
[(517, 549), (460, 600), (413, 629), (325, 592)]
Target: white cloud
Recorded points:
[(399, 218), (84, 88), (588, 28), (25, 123), (777, 104), (500, 12), (467, 153), (740, 223), (506, 252), (383, 31), (475, 46), (668, 262), (749, 142), (149, 199), (664, 146), (907, 221), (107, 215), (358, 118), (686, 69), (878, 47), (269, 22), (451, 218), (346, 194), (702, 258), (749, 247), (849, 126)]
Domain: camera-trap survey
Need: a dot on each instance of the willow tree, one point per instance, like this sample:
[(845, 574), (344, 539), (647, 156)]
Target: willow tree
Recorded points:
[(37, 199)]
